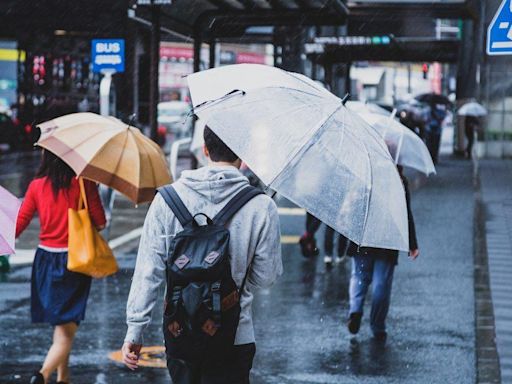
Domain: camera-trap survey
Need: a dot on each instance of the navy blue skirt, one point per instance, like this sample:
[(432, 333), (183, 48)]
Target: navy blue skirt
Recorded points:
[(58, 295)]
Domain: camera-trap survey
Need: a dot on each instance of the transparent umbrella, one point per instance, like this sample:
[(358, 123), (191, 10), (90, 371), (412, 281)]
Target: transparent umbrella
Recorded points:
[(302, 142), (362, 107), (406, 148), (472, 109)]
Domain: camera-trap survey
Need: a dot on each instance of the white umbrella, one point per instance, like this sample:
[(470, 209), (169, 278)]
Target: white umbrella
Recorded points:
[(406, 148), (302, 142), (472, 109)]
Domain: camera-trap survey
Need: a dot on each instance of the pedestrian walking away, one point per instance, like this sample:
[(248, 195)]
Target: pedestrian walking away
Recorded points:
[(435, 128), (329, 246), (471, 125), (58, 296), (374, 266), (254, 262), (307, 241)]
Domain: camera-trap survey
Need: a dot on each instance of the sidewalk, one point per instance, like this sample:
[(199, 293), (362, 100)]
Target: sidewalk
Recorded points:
[(496, 190)]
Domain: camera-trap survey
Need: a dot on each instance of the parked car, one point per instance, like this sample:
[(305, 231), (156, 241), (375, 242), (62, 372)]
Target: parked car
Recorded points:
[(173, 118)]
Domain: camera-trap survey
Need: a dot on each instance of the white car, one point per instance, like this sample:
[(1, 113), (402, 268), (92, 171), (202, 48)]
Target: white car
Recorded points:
[(174, 117)]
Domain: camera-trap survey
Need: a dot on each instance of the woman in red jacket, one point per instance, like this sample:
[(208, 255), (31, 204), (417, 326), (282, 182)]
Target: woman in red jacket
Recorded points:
[(58, 296)]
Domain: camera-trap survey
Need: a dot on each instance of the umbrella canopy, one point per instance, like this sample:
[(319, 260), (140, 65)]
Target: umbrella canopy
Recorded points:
[(472, 109), (433, 98), (9, 206), (406, 148), (108, 151), (362, 107), (302, 142)]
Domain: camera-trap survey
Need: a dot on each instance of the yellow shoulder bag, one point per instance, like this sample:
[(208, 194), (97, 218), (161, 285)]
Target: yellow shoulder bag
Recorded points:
[(88, 252)]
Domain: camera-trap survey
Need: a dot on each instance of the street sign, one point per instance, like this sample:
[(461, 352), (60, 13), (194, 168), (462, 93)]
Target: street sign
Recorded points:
[(107, 55), (499, 34)]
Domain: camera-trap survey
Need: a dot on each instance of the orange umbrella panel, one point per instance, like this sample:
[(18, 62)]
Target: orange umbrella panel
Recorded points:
[(108, 151)]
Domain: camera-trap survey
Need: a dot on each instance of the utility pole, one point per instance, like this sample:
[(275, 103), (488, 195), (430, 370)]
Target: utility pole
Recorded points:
[(154, 93)]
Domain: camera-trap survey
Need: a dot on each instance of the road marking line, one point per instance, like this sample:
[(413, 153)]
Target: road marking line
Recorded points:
[(287, 239), (123, 239), (26, 256), (153, 356), (291, 211)]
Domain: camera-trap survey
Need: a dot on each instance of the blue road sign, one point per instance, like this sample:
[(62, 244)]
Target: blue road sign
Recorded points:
[(107, 55), (499, 34)]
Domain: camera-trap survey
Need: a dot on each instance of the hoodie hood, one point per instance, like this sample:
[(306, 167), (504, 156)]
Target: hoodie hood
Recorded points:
[(214, 184)]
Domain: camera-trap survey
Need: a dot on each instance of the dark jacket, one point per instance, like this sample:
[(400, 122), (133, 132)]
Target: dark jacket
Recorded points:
[(355, 250)]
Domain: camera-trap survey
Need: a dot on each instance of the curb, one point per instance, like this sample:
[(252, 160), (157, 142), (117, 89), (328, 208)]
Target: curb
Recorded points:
[(486, 354)]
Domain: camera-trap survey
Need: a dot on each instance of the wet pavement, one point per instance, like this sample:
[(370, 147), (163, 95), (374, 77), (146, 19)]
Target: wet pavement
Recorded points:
[(495, 180), (301, 336)]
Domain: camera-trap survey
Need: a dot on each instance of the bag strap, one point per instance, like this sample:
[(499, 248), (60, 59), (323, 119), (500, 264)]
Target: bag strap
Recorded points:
[(216, 303), (174, 202), (83, 197), (235, 204)]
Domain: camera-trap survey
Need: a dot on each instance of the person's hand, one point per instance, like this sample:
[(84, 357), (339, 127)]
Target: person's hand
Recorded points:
[(414, 253), (131, 355)]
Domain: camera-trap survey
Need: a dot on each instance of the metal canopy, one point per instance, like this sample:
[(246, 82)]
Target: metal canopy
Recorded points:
[(230, 18), (218, 18), (404, 50), (438, 9), (82, 17)]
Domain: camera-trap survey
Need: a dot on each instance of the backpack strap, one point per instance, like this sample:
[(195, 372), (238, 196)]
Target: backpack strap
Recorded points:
[(216, 303), (174, 202), (235, 204)]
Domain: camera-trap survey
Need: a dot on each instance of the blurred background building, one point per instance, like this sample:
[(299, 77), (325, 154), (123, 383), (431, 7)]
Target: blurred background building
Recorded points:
[(385, 52)]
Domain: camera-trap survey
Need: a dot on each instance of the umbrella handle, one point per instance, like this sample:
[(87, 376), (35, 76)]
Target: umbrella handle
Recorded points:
[(345, 99)]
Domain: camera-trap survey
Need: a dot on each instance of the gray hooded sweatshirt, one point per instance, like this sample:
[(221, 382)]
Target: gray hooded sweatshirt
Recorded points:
[(254, 235)]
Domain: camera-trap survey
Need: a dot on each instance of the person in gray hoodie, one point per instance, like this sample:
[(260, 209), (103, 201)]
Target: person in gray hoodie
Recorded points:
[(255, 240)]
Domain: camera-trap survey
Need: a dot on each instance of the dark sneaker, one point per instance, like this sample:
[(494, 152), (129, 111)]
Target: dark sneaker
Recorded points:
[(308, 246), (380, 337), (37, 378), (354, 322)]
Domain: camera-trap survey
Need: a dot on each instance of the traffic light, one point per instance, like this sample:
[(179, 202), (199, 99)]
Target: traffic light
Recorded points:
[(425, 69)]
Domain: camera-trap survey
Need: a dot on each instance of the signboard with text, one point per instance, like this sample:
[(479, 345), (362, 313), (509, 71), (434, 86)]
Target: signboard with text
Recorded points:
[(318, 44), (107, 55)]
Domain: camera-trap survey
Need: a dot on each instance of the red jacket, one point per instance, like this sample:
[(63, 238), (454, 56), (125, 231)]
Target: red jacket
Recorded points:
[(53, 212)]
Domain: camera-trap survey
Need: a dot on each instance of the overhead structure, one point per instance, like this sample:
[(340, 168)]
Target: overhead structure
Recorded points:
[(398, 49)]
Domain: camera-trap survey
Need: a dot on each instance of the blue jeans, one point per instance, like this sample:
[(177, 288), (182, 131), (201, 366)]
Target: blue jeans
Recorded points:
[(365, 271)]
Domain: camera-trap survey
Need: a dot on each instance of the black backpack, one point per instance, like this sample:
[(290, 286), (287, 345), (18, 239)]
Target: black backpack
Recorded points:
[(202, 301)]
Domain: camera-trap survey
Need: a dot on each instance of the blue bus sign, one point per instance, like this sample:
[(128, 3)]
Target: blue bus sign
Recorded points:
[(107, 55), (499, 34)]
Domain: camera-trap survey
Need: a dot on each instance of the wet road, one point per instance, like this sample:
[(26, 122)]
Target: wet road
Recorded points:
[(301, 337)]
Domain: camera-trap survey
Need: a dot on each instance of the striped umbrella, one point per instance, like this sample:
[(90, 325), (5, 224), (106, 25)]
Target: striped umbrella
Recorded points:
[(108, 151)]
